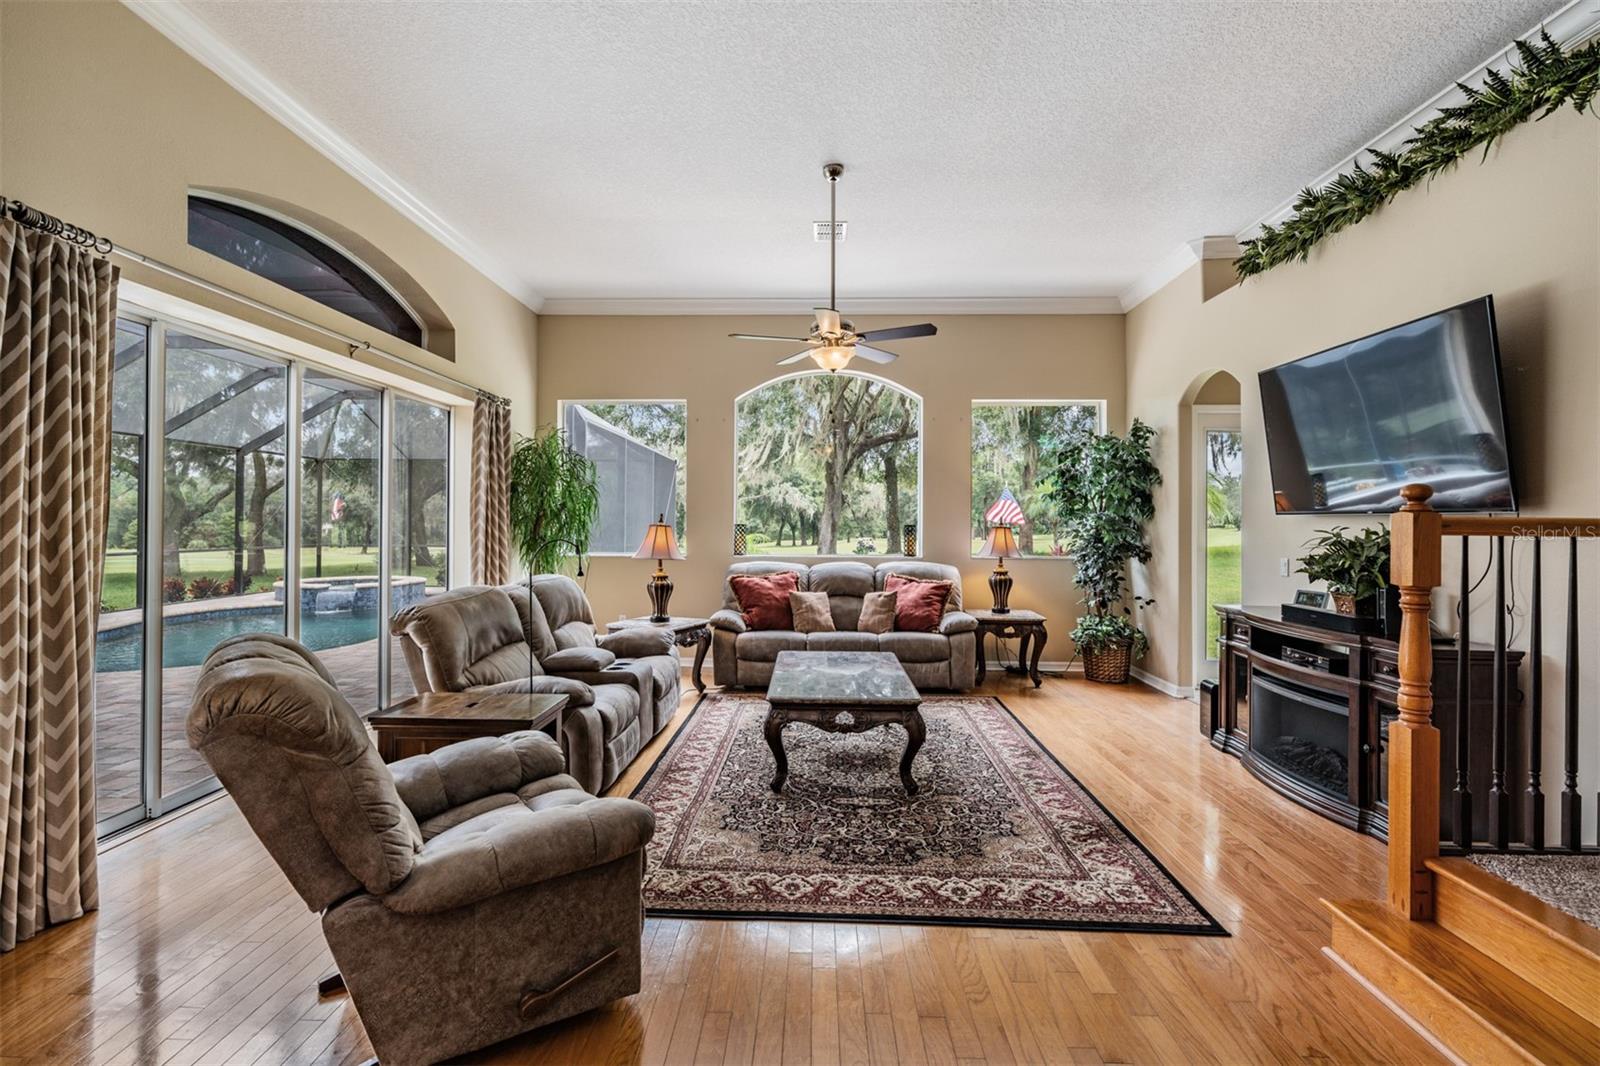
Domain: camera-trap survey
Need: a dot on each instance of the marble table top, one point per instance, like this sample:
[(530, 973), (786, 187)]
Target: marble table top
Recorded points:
[(858, 678)]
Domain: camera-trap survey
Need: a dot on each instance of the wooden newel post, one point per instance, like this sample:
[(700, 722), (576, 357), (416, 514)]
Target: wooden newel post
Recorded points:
[(1413, 741)]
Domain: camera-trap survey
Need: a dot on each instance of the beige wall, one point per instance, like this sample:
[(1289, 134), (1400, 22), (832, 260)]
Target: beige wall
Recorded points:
[(1524, 226), (1059, 357), (107, 124)]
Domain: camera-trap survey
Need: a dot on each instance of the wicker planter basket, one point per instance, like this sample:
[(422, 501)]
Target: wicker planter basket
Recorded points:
[(1109, 666)]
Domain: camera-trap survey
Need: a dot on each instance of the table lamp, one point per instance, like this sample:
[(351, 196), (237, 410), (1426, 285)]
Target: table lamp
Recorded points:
[(660, 542), (1001, 544)]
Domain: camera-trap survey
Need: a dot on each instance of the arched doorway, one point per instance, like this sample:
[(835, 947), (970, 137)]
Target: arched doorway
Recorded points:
[(1214, 471)]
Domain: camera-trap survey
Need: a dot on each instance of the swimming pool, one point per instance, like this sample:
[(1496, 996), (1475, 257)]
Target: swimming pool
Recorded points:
[(188, 639)]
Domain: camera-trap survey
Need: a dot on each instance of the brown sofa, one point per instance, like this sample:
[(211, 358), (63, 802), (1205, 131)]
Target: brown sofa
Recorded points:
[(622, 688), (467, 895), (946, 659)]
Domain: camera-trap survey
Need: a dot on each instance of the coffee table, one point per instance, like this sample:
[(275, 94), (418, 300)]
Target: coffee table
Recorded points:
[(430, 721), (842, 692)]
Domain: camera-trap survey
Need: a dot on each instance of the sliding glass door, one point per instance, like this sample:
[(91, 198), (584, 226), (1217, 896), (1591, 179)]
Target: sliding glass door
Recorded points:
[(250, 494), (341, 489), (222, 523), (119, 733), (419, 517)]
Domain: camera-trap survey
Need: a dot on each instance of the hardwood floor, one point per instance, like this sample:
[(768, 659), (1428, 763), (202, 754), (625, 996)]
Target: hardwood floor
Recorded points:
[(202, 954)]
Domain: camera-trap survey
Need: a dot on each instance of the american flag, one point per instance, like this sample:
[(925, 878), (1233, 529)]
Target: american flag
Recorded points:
[(1005, 511)]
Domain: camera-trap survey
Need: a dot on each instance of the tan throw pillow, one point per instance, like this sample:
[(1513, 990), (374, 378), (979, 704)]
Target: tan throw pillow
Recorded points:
[(811, 614), (877, 612)]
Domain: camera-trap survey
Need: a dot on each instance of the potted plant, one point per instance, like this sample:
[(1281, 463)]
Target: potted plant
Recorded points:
[(1354, 567), (1104, 492), (554, 500)]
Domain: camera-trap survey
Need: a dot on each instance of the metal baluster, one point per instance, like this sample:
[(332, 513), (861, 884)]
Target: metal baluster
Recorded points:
[(1571, 808), (1533, 822), (1499, 798), (1463, 790)]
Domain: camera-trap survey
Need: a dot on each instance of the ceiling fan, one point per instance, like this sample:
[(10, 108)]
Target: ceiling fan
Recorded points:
[(834, 341)]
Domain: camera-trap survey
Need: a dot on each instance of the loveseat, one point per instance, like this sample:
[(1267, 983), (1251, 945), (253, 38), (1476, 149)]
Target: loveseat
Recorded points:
[(943, 659), (622, 688)]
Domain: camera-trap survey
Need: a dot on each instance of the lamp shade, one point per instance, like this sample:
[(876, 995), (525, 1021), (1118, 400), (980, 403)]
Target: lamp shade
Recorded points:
[(1000, 544), (660, 542)]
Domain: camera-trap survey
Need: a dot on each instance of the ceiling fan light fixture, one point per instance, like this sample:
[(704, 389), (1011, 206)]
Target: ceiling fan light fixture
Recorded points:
[(832, 357)]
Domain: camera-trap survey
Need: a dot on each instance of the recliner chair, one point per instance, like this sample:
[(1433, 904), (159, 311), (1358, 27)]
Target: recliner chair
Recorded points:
[(467, 895)]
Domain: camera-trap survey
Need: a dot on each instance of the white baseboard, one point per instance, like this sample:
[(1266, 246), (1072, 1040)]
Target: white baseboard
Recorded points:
[(1162, 685)]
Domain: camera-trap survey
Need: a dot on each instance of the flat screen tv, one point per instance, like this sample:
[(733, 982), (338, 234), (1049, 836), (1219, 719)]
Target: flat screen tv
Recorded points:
[(1347, 428)]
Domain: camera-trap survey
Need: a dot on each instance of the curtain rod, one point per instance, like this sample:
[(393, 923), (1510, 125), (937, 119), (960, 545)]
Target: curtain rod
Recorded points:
[(33, 218)]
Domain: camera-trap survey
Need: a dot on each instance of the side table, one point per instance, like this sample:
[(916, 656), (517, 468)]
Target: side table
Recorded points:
[(685, 631), (1027, 626), (434, 719)]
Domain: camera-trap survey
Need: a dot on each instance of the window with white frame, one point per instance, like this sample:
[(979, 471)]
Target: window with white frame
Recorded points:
[(828, 464), (638, 448), (1011, 479)]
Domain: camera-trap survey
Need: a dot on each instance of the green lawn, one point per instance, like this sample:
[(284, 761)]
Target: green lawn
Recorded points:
[(1222, 578), (118, 591)]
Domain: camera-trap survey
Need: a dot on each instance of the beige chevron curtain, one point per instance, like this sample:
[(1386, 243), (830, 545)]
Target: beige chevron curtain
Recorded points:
[(59, 305), (491, 490)]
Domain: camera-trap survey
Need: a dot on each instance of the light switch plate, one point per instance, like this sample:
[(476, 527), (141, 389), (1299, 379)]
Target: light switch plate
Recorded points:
[(1283, 567)]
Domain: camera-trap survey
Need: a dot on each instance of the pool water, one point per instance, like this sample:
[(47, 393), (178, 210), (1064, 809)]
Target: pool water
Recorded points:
[(188, 640)]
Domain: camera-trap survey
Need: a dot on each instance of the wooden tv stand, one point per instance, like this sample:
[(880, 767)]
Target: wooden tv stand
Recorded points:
[(1354, 691)]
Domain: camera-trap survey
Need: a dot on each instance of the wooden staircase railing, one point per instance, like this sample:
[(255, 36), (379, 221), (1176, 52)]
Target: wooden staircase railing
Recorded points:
[(1417, 537)]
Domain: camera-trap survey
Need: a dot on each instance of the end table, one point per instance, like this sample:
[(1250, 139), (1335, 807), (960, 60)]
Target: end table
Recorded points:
[(434, 719), (1028, 626), (685, 631)]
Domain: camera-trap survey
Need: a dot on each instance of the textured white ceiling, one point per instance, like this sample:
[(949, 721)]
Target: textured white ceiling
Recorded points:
[(674, 150)]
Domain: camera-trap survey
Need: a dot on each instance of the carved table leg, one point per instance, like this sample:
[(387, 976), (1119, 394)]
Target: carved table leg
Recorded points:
[(983, 661), (774, 733), (701, 646), (916, 733), (1039, 637)]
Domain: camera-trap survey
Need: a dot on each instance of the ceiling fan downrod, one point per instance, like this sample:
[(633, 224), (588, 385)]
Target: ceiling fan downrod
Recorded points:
[(831, 171)]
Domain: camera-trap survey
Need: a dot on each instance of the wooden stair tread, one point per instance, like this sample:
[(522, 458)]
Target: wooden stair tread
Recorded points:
[(1579, 937), (1446, 974)]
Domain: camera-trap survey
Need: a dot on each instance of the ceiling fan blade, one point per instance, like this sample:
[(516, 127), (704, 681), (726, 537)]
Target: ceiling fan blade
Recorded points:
[(797, 357), (764, 337), (827, 320), (873, 355), (894, 333)]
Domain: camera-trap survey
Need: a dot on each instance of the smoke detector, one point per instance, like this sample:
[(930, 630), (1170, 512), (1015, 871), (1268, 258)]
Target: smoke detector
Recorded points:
[(820, 231)]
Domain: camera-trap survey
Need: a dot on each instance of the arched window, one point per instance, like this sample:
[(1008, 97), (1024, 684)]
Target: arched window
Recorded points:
[(828, 464), (278, 250)]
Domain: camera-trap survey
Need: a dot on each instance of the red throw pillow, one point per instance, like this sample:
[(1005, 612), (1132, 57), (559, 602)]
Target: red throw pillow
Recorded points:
[(764, 600), (918, 604)]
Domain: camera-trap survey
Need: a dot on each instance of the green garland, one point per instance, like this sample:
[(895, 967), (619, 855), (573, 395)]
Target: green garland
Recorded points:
[(1546, 79)]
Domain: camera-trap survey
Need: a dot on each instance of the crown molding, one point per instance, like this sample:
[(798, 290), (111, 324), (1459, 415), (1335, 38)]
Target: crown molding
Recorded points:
[(1173, 264), (189, 32), (898, 305), (1574, 24)]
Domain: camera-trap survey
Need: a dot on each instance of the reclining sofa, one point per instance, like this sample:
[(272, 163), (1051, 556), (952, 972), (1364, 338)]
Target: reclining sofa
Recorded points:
[(944, 659), (622, 688)]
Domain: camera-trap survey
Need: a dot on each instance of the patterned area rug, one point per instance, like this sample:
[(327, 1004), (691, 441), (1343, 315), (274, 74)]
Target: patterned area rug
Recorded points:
[(999, 834)]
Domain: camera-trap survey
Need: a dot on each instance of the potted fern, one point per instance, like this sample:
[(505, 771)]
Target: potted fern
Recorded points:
[(1104, 492), (1354, 567)]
